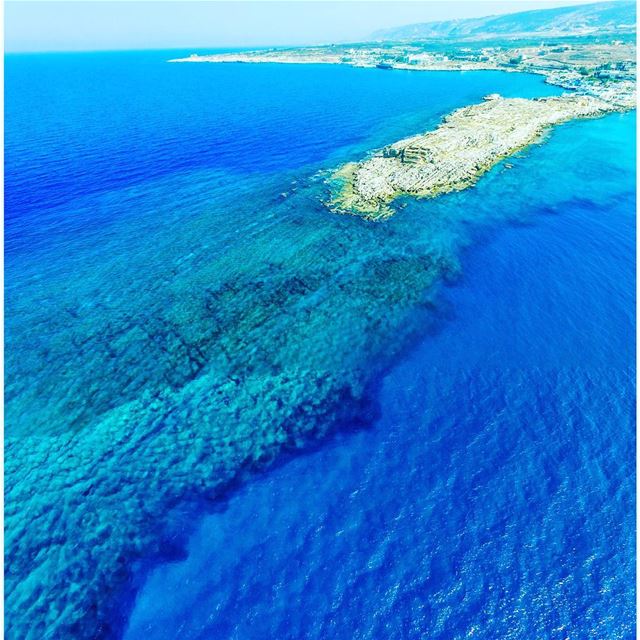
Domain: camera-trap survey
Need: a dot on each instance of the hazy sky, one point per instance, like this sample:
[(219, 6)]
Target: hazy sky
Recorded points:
[(86, 25)]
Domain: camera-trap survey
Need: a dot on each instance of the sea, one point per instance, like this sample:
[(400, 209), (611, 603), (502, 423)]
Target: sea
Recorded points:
[(232, 413)]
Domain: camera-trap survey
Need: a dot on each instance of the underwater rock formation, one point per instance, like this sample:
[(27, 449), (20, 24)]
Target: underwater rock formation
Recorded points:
[(121, 423)]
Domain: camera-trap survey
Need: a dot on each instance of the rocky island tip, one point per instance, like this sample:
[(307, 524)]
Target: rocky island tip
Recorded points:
[(468, 142)]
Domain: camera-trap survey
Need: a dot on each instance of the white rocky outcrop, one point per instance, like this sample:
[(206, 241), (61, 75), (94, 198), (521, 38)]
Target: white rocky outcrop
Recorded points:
[(467, 143)]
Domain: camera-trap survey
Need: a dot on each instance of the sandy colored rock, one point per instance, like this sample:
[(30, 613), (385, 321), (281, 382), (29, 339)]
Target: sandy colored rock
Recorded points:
[(468, 142)]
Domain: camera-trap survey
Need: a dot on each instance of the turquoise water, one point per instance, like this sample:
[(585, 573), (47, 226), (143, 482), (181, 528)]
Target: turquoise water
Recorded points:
[(182, 309)]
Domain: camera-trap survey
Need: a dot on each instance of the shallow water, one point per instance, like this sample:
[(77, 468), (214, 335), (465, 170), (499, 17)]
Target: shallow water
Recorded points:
[(181, 308)]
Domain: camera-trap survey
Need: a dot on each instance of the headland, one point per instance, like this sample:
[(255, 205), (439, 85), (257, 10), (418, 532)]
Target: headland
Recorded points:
[(468, 142)]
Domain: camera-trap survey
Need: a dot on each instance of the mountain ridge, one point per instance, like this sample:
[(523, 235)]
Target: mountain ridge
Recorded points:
[(612, 16)]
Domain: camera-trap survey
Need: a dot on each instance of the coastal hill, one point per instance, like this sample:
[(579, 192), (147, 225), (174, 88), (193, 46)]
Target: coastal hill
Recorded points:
[(618, 16)]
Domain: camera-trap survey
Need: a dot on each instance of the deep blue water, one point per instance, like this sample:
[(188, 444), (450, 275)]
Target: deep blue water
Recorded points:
[(492, 494)]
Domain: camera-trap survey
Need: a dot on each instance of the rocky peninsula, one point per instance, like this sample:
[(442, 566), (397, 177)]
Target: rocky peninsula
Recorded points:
[(468, 142), (599, 76)]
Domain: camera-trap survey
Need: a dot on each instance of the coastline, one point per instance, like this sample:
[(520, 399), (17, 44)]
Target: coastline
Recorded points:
[(600, 70)]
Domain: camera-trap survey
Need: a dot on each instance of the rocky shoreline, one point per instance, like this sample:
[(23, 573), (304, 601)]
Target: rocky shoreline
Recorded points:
[(468, 143)]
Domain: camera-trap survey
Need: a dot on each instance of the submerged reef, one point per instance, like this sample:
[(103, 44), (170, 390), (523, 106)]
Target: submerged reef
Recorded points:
[(122, 410), (468, 142)]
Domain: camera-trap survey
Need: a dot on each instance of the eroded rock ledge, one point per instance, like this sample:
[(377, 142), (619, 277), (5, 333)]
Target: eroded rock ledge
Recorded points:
[(468, 142)]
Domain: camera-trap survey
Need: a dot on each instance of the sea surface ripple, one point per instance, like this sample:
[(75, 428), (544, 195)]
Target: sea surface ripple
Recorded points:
[(181, 309)]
